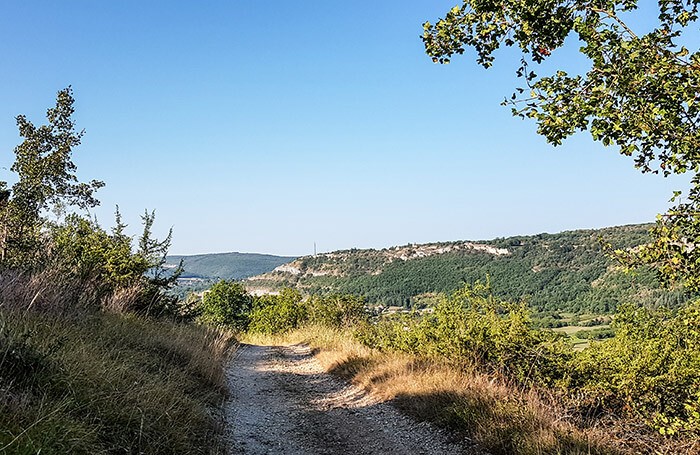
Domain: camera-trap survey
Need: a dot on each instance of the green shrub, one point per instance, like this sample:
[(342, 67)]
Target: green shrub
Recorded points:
[(649, 370), (227, 303), (596, 334), (392, 332), (80, 250), (473, 327), (86, 250), (336, 310), (274, 314)]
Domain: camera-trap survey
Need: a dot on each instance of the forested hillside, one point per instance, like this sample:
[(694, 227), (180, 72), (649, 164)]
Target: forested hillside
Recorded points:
[(227, 266), (564, 272)]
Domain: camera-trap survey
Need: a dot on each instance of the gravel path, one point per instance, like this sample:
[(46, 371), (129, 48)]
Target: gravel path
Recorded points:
[(282, 402)]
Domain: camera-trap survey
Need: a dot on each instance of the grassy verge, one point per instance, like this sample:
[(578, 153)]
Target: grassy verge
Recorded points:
[(501, 418), (107, 383)]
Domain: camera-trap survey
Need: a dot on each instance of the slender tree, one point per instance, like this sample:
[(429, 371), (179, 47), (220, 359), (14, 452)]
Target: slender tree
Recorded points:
[(46, 178)]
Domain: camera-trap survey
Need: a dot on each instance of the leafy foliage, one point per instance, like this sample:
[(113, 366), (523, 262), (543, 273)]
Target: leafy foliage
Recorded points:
[(274, 314), (647, 370), (651, 368), (83, 251), (674, 250), (474, 328), (640, 94), (46, 180), (336, 310), (84, 248), (227, 303)]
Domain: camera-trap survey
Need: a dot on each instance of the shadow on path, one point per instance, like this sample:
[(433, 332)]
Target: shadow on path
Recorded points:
[(282, 402)]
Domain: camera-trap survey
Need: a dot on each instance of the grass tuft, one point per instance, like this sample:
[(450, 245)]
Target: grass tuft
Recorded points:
[(106, 383)]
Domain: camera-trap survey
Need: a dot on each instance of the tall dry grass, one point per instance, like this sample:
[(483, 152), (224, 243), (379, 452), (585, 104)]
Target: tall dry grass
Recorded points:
[(47, 291), (80, 380)]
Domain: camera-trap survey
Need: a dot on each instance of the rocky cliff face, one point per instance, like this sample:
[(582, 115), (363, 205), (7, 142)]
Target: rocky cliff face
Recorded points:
[(358, 262)]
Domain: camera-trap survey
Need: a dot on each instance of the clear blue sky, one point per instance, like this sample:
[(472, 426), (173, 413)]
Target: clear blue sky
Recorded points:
[(265, 126)]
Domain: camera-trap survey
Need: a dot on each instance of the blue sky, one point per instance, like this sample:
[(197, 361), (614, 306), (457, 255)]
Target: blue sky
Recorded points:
[(267, 126)]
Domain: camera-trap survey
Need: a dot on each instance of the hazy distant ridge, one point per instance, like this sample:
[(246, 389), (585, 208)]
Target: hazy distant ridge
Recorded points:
[(228, 265)]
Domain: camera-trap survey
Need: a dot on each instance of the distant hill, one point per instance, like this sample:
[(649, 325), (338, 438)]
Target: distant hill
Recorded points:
[(227, 265), (552, 272)]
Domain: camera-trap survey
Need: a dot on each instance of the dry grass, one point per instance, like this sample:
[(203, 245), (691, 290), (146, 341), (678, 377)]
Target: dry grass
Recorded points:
[(109, 383), (499, 417), (122, 300), (48, 291)]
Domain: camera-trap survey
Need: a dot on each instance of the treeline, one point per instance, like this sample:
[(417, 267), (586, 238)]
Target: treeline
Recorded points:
[(565, 272)]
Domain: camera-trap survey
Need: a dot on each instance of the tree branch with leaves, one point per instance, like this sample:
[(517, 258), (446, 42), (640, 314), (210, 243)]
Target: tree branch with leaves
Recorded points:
[(641, 93)]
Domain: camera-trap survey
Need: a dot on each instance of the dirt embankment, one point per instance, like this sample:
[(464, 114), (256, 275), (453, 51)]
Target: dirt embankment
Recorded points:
[(282, 402)]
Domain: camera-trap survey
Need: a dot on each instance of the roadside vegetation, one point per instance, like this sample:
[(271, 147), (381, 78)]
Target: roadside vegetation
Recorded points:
[(96, 357), (99, 382), (478, 365)]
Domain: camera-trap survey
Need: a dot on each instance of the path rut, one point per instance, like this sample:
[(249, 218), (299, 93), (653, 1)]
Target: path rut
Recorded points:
[(282, 402)]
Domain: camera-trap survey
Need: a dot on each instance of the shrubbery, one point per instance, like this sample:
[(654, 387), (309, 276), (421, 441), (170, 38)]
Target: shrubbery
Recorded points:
[(281, 313), (596, 334), (85, 250), (336, 310), (473, 328), (227, 304), (649, 369)]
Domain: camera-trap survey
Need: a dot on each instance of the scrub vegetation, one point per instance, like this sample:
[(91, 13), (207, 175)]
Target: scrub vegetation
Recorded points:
[(95, 355), (478, 365)]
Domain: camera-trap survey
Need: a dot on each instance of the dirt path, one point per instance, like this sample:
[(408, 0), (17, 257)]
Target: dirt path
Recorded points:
[(284, 403)]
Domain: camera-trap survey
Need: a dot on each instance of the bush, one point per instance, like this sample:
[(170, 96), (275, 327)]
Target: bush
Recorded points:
[(80, 251), (274, 314), (84, 249), (472, 327), (227, 303), (336, 310), (649, 370), (596, 334)]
